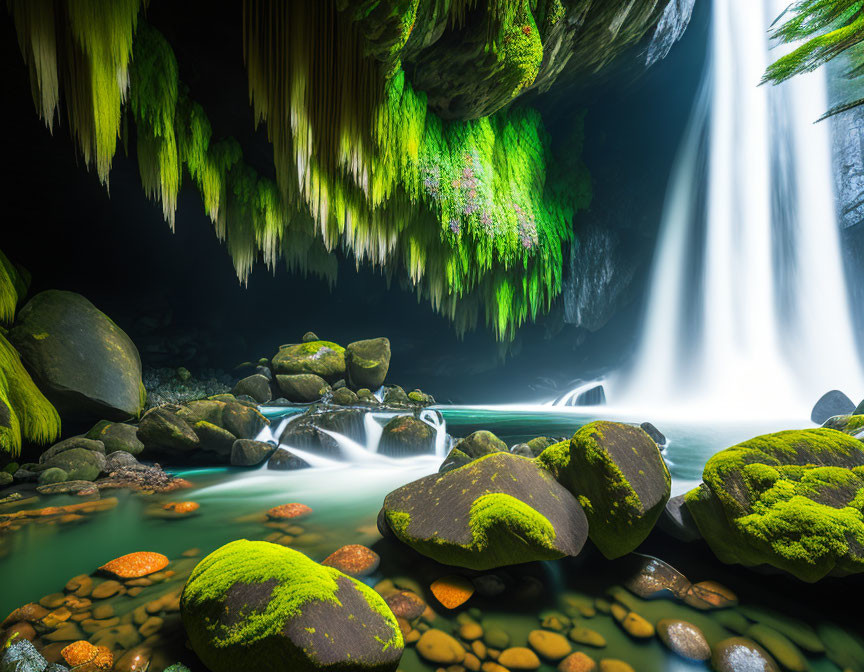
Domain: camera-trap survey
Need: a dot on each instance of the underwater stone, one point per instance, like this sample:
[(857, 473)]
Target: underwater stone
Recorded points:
[(406, 435), (302, 387), (117, 436), (22, 656), (793, 500), (738, 654), (830, 404), (368, 362), (255, 386), (252, 605), (499, 510), (322, 358), (683, 638), (83, 362), (618, 475)]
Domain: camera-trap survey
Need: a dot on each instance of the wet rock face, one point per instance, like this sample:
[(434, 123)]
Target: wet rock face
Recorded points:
[(810, 481), (619, 476), (368, 362), (671, 27), (83, 362), (498, 510), (848, 153), (830, 404), (259, 606), (321, 358), (406, 435)]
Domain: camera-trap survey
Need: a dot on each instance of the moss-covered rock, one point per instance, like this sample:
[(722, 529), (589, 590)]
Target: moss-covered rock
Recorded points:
[(322, 358), (344, 397), (79, 464), (620, 478), (848, 424), (406, 435), (480, 443), (395, 396), (69, 444), (214, 439), (161, 430), (368, 362), (309, 431), (83, 362), (302, 387), (251, 605), (117, 436), (244, 422), (498, 510), (256, 386), (209, 410), (455, 459), (249, 453), (53, 475), (793, 500)]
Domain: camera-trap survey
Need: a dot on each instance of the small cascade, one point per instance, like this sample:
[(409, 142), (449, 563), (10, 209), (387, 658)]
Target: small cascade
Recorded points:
[(591, 393), (443, 441)]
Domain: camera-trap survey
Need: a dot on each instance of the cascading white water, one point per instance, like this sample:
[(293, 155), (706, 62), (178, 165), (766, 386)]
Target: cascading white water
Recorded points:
[(748, 309)]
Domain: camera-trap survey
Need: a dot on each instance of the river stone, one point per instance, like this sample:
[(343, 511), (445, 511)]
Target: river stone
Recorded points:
[(654, 433), (251, 605), (207, 410), (481, 443), (83, 362), (79, 464), (651, 578), (322, 358), (830, 404), (244, 422), (309, 431), (344, 397), (395, 396), (368, 362), (738, 654), (499, 510), (808, 481), (119, 459), (455, 459), (53, 475), (619, 476), (285, 460), (255, 386), (249, 453), (302, 387), (677, 521), (117, 436), (405, 435), (69, 444), (778, 645), (684, 638), (162, 430), (214, 439)]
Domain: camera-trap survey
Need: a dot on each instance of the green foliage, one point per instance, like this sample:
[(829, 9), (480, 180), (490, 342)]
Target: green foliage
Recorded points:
[(13, 286), (794, 500), (830, 27), (24, 411)]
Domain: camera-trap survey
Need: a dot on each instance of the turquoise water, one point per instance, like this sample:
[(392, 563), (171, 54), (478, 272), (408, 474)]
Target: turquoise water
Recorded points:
[(39, 559)]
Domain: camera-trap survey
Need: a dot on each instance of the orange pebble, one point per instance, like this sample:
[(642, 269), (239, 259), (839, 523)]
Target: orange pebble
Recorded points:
[(182, 507), (135, 565), (288, 511), (452, 591)]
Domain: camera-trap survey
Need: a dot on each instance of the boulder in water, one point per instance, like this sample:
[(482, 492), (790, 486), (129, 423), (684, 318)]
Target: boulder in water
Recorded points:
[(619, 477), (499, 510), (249, 453), (117, 436), (830, 404), (84, 363), (480, 443), (69, 444), (321, 358), (791, 500), (654, 433), (251, 605), (162, 430), (368, 362), (406, 435), (285, 460), (79, 464)]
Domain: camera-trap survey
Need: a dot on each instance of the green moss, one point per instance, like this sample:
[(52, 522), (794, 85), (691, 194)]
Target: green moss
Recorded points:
[(591, 466), (254, 640), (850, 424), (794, 500), (25, 413)]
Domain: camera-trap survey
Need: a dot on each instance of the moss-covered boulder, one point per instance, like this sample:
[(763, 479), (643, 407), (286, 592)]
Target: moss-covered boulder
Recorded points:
[(619, 477), (302, 387), (214, 439), (322, 358), (251, 605), (117, 436), (406, 435), (311, 431), (69, 444), (793, 500), (455, 459), (249, 453), (208, 410), (84, 363), (344, 397), (368, 362), (853, 425), (499, 510), (481, 443), (161, 430), (256, 386), (244, 422), (79, 464)]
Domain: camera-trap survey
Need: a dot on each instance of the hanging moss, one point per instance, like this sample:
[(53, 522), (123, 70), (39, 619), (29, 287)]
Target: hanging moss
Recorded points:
[(829, 28), (14, 282), (24, 412)]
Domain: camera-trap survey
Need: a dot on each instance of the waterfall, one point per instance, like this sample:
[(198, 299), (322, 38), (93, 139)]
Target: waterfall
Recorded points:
[(748, 308)]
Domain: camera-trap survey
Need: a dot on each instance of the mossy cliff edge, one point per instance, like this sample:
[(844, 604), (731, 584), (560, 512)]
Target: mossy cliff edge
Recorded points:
[(405, 148)]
